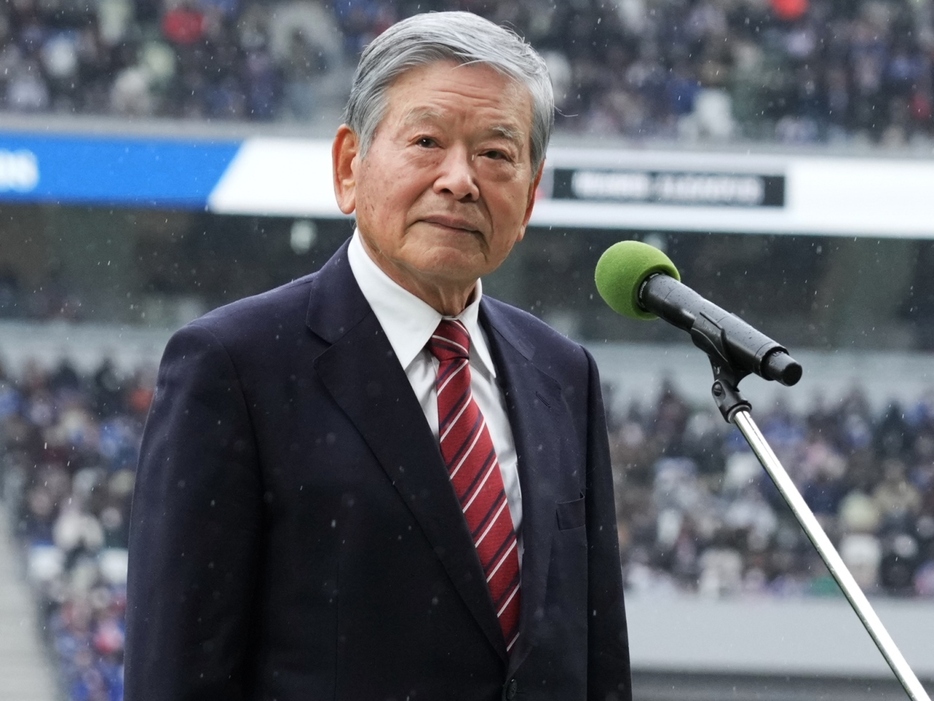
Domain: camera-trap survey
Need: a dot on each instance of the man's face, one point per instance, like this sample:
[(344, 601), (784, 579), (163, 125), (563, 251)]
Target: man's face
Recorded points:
[(446, 188)]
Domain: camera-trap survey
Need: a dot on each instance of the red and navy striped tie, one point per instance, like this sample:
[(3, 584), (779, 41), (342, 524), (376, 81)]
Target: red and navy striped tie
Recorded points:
[(475, 473)]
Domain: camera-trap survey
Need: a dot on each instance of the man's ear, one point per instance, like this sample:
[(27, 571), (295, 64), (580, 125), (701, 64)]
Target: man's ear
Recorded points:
[(344, 155), (531, 203)]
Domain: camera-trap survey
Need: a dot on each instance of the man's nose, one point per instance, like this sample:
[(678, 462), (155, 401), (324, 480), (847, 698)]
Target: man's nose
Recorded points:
[(457, 176)]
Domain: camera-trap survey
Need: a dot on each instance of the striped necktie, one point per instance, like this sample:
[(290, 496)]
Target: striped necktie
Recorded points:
[(468, 452)]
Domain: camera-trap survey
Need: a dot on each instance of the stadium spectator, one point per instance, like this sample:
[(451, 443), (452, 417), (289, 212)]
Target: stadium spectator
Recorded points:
[(723, 529), (791, 71), (697, 512), (68, 446)]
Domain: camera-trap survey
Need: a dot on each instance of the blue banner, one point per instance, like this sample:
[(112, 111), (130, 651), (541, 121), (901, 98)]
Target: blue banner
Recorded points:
[(143, 172)]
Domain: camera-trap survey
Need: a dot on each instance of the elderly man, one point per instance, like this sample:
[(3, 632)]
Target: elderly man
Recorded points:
[(374, 482)]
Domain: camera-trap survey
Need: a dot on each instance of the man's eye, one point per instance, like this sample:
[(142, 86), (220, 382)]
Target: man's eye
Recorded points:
[(497, 155), (426, 142)]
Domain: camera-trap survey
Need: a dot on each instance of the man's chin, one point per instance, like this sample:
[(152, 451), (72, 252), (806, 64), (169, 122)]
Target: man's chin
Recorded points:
[(453, 265)]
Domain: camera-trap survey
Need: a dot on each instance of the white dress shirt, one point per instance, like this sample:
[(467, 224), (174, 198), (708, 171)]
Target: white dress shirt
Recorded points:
[(409, 323)]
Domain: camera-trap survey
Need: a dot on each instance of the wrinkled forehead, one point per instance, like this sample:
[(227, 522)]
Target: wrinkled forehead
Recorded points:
[(413, 106)]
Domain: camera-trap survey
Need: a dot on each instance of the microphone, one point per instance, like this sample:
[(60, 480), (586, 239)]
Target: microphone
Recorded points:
[(639, 281)]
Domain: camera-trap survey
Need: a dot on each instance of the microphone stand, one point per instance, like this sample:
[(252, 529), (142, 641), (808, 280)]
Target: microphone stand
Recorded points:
[(736, 410)]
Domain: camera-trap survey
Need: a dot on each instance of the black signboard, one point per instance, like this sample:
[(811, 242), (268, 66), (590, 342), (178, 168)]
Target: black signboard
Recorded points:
[(687, 188)]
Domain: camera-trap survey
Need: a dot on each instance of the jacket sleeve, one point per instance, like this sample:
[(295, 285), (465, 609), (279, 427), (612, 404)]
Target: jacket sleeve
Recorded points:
[(608, 673), (194, 531)]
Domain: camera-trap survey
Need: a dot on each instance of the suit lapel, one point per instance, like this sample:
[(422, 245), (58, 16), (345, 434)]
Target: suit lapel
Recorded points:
[(533, 399), (363, 375)]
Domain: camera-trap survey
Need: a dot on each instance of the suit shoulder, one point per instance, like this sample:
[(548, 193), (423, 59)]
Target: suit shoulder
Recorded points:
[(254, 320), (276, 305), (540, 338)]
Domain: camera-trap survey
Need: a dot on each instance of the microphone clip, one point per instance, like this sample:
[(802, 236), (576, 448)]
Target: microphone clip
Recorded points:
[(725, 389), (708, 335)]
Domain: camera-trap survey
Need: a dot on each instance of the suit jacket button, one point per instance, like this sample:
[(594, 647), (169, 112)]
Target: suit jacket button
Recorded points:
[(510, 690)]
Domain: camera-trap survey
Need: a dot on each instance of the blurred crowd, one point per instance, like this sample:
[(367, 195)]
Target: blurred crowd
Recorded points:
[(696, 512), (68, 450), (699, 514), (792, 71)]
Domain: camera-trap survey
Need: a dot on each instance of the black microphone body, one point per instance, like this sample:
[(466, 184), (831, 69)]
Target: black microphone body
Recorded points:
[(720, 334)]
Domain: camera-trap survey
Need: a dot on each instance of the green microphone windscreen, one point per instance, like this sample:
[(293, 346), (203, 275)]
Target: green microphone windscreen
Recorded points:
[(621, 271)]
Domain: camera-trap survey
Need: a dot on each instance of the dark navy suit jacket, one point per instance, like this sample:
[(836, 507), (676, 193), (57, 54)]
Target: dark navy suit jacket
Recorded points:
[(295, 537)]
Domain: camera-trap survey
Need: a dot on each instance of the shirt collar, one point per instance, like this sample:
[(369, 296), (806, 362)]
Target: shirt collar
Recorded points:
[(407, 320)]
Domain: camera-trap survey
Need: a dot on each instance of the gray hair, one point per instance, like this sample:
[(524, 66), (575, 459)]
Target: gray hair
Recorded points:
[(444, 36)]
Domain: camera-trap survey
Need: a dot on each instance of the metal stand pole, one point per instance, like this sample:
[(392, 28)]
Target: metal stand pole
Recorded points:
[(710, 336), (743, 421)]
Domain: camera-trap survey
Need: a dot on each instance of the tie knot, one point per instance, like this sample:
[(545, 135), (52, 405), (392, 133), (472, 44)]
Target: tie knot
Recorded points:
[(450, 341)]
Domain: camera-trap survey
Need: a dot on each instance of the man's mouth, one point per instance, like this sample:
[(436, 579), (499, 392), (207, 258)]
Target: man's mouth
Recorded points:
[(455, 223)]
